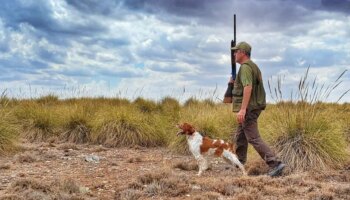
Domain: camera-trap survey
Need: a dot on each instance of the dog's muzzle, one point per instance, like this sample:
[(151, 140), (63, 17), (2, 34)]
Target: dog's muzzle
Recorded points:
[(179, 133)]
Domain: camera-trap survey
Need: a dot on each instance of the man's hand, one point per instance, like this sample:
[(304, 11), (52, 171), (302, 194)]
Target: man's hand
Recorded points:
[(241, 116), (231, 80)]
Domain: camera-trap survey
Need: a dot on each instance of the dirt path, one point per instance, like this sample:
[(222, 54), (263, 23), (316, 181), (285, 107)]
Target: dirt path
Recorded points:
[(61, 171)]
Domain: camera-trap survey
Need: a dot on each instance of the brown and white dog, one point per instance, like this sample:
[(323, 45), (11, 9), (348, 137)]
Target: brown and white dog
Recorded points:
[(201, 147)]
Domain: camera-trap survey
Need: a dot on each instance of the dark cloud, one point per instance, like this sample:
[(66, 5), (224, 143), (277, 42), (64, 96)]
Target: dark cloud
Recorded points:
[(39, 15), (110, 43), (4, 47), (51, 56), (19, 64), (99, 39), (94, 6), (12, 77), (337, 5)]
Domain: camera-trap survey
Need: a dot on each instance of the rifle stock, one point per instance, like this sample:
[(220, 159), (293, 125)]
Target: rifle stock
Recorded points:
[(228, 94)]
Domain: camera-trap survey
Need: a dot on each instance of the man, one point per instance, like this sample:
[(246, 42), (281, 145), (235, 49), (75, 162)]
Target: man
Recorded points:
[(248, 101)]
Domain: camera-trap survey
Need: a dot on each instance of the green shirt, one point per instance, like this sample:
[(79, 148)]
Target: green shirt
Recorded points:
[(249, 74)]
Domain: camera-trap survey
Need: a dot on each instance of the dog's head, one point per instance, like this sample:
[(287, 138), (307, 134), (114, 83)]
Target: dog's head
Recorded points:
[(186, 129)]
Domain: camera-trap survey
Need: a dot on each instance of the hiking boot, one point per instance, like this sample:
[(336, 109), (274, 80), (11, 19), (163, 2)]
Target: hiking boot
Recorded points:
[(277, 171)]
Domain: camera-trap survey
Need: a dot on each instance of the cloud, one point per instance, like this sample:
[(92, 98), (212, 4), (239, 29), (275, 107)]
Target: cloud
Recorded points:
[(166, 46)]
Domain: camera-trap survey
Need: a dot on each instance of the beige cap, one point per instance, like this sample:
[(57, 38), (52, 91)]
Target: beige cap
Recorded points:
[(243, 46)]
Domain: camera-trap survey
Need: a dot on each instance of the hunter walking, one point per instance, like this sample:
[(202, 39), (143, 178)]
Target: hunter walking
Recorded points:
[(248, 102)]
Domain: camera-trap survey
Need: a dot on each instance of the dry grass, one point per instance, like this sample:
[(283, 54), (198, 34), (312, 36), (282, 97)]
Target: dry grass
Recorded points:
[(11, 197), (303, 130), (134, 160), (303, 133), (156, 184), (33, 189), (160, 175), (128, 194), (208, 196), (186, 166), (5, 166), (257, 167), (8, 130), (76, 125), (127, 126), (67, 146), (38, 122), (25, 157)]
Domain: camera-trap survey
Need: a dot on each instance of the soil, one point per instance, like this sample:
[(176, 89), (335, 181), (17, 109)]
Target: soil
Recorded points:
[(152, 173)]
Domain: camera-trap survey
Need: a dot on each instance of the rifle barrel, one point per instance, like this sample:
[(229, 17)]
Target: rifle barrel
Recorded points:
[(234, 28)]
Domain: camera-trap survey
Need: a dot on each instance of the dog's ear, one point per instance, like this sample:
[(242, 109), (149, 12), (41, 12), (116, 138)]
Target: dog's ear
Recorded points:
[(188, 128), (191, 130)]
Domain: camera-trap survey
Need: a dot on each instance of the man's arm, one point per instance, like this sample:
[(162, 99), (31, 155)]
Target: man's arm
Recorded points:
[(247, 92)]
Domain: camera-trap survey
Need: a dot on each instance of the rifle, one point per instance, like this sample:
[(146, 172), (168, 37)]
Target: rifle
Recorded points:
[(228, 94)]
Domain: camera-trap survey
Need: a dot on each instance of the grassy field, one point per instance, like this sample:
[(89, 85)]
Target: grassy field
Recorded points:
[(311, 138), (304, 135)]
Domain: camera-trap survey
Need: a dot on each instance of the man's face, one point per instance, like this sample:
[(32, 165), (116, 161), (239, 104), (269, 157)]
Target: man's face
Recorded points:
[(239, 55)]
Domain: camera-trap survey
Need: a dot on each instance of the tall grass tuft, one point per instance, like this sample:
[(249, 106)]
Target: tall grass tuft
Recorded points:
[(39, 122), (76, 123), (170, 107), (48, 99), (127, 126), (191, 102), (145, 106), (303, 133), (8, 130)]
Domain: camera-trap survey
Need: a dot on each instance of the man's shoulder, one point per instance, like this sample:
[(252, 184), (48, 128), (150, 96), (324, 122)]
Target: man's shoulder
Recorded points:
[(250, 63), (246, 67)]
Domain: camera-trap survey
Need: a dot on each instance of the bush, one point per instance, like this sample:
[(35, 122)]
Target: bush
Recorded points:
[(76, 123), (48, 99), (8, 130), (8, 133), (127, 126), (305, 134), (39, 122)]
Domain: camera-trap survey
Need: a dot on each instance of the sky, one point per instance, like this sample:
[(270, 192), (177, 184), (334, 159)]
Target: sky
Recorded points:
[(177, 48)]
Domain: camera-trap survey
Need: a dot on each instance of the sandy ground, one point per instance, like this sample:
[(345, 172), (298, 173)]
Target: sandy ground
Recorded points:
[(49, 171)]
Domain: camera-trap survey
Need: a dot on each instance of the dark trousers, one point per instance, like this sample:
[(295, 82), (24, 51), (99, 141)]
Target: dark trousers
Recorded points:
[(247, 132)]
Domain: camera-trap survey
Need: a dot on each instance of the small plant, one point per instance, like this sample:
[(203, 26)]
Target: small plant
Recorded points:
[(128, 126), (171, 108), (305, 135), (76, 127), (39, 122), (191, 102), (8, 130), (48, 99), (145, 106)]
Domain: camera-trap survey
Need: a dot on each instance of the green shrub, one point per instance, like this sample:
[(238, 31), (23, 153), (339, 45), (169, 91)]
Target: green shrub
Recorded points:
[(8, 132), (48, 99), (127, 126), (76, 123), (39, 122), (306, 133), (145, 106)]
